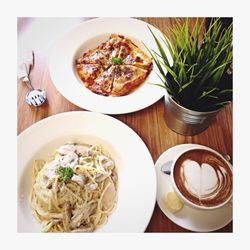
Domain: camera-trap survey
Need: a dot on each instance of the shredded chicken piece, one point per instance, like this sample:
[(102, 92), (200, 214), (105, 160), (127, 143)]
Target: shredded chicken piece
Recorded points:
[(69, 160), (105, 161), (80, 214), (80, 179), (66, 148), (81, 150), (91, 186)]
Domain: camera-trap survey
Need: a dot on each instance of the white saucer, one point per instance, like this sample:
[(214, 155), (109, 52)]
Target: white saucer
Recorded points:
[(188, 218)]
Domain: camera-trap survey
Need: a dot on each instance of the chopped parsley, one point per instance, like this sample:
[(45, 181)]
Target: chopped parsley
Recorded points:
[(65, 173), (116, 60)]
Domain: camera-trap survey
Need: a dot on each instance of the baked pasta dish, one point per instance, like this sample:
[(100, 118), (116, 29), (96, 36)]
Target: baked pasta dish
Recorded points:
[(115, 68)]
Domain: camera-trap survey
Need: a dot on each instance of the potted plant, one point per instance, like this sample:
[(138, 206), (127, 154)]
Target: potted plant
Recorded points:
[(198, 80)]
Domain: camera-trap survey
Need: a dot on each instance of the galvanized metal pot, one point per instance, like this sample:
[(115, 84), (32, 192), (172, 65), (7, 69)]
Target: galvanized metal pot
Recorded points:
[(185, 121)]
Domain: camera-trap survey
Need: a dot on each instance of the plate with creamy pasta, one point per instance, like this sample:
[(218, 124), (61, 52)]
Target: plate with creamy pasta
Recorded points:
[(77, 174)]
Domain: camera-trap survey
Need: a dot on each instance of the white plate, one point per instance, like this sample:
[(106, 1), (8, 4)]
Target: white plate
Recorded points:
[(89, 35), (189, 218), (137, 180)]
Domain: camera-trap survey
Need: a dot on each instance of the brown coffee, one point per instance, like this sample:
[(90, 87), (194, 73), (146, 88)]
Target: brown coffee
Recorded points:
[(203, 177)]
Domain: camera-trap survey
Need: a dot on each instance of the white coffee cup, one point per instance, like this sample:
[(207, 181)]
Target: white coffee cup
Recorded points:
[(202, 178)]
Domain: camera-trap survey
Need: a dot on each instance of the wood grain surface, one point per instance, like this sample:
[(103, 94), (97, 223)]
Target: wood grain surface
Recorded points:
[(148, 123)]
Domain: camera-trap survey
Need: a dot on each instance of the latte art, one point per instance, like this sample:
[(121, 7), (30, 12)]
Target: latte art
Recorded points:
[(203, 178)]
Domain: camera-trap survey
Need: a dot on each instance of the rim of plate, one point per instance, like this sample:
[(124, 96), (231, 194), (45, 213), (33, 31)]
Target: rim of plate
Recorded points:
[(86, 35), (109, 131)]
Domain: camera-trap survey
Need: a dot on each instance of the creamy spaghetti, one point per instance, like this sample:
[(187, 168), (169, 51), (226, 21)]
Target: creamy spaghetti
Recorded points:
[(74, 191)]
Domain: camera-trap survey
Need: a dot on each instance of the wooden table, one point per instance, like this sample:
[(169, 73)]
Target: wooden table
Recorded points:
[(148, 123)]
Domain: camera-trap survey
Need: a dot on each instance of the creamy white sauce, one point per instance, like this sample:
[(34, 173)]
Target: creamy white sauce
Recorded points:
[(69, 155)]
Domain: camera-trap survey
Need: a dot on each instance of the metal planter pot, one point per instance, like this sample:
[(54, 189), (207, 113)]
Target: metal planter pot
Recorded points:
[(185, 121)]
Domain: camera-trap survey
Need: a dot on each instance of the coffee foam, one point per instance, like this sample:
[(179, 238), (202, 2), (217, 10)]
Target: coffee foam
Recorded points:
[(202, 181), (203, 178)]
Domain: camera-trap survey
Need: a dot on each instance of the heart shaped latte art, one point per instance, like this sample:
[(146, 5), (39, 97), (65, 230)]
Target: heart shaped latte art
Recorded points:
[(202, 181)]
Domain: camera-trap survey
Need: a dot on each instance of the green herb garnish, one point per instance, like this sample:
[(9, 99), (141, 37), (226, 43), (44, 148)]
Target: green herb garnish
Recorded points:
[(65, 173), (116, 60)]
